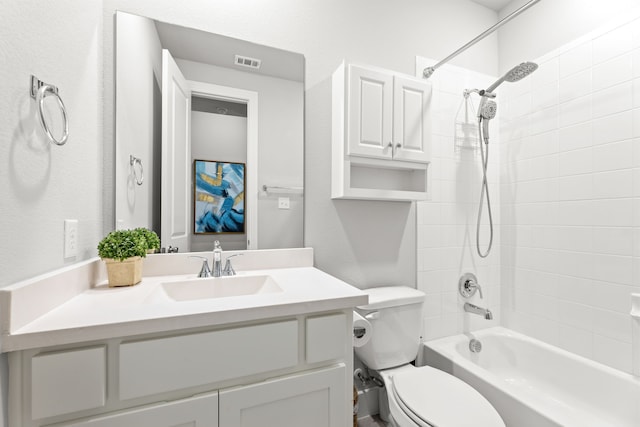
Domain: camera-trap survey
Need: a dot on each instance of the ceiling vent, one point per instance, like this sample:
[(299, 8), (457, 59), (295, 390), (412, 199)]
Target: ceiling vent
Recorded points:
[(245, 61)]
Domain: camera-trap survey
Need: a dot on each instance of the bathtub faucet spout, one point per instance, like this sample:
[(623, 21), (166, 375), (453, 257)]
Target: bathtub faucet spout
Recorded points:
[(470, 308)]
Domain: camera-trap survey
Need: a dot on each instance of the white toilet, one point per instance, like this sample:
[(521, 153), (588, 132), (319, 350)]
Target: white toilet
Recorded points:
[(413, 396)]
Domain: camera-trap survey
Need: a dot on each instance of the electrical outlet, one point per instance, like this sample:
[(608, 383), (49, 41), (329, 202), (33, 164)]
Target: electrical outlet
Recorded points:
[(70, 238), (283, 203)]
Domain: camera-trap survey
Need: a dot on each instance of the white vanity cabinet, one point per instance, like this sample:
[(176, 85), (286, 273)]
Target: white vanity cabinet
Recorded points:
[(286, 372), (381, 134)]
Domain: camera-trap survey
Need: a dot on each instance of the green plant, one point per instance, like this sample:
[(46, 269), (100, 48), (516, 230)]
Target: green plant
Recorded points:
[(152, 239), (123, 244)]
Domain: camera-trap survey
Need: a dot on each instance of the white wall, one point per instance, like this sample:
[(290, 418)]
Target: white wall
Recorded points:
[(571, 196), (43, 184)]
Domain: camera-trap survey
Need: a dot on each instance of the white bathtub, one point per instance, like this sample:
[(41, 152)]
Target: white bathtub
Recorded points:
[(533, 384)]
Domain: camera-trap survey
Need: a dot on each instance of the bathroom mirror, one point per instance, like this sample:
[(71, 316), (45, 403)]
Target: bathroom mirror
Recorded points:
[(239, 102)]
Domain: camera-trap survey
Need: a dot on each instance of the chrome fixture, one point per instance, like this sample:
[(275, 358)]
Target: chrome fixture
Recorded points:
[(39, 90), (475, 346), (487, 111), (205, 271), (468, 285), (228, 268), (217, 259), (427, 72), (471, 308), (133, 161)]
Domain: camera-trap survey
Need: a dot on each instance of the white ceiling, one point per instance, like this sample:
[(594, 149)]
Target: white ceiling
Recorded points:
[(496, 5)]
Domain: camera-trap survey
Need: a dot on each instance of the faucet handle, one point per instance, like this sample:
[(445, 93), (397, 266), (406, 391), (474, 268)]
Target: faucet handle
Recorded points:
[(468, 285), (228, 268), (205, 271)]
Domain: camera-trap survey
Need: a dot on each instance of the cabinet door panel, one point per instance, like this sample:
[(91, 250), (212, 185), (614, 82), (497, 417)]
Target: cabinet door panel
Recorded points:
[(411, 130), (199, 411), (314, 399), (369, 110)]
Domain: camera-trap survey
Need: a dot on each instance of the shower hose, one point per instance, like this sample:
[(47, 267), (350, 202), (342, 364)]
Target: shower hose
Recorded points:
[(484, 192)]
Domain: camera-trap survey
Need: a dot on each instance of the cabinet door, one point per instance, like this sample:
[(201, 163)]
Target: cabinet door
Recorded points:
[(199, 411), (369, 123), (316, 399), (411, 132)]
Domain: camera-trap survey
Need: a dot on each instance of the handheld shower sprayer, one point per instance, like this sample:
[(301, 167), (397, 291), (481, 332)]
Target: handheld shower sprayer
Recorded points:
[(486, 111)]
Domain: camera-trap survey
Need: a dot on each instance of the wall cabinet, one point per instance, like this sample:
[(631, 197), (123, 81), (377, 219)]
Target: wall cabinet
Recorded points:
[(284, 372), (381, 134)]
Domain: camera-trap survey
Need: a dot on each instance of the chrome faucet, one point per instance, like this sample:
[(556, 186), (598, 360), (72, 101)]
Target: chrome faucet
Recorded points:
[(470, 308), (228, 268), (217, 259)]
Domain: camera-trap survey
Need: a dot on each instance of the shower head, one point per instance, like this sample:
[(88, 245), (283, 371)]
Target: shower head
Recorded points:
[(513, 75), (488, 109)]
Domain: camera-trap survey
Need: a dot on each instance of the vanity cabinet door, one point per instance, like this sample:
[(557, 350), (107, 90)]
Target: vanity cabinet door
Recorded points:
[(198, 411), (315, 399)]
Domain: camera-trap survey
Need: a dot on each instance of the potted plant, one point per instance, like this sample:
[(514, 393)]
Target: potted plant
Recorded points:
[(122, 251), (152, 239)]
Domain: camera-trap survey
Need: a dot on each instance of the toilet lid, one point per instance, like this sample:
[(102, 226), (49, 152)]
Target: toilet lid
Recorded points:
[(442, 400)]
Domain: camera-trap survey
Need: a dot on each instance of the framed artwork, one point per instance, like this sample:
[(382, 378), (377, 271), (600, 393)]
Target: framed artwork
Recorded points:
[(218, 197)]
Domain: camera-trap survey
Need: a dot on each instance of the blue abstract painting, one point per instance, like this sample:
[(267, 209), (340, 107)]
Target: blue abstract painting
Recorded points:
[(219, 197)]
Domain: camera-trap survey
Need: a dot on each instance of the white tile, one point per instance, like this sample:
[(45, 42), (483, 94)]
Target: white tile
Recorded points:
[(636, 92), (577, 136), (613, 268), (545, 96), (575, 238), (575, 162), (635, 58), (610, 185), (612, 72), (611, 296), (576, 213), (612, 100), (575, 111), (636, 247), (612, 325), (575, 60), (547, 73), (575, 289), (617, 155), (544, 120), (575, 187), (572, 263), (614, 353), (542, 144), (610, 212), (575, 86), (615, 127), (576, 340), (612, 44), (613, 240), (576, 315)]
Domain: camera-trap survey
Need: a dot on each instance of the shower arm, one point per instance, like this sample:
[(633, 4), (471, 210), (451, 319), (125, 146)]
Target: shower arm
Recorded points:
[(427, 72)]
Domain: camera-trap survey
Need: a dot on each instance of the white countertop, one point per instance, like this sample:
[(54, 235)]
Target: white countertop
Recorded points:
[(99, 312)]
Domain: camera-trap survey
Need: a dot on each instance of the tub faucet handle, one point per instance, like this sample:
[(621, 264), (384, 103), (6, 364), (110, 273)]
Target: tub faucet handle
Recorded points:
[(468, 285)]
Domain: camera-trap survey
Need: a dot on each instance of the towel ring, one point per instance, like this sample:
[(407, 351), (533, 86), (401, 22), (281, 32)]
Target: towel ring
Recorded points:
[(39, 91), (133, 161)]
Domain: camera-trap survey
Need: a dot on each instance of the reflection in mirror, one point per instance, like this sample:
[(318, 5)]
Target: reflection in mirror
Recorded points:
[(240, 103)]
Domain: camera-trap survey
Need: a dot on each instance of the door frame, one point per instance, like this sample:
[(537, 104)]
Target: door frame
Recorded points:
[(250, 98)]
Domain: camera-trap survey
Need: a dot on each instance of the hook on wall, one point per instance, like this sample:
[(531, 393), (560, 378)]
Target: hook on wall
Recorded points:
[(39, 90), (133, 161)]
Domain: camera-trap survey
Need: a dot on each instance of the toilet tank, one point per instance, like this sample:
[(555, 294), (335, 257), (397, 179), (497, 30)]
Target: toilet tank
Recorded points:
[(395, 314)]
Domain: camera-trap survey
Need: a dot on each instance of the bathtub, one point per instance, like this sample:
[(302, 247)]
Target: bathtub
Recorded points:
[(534, 384)]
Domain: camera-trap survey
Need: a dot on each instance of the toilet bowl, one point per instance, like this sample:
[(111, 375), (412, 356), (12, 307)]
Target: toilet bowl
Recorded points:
[(414, 396)]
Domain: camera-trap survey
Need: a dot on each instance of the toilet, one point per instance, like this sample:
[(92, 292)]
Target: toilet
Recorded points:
[(414, 396)]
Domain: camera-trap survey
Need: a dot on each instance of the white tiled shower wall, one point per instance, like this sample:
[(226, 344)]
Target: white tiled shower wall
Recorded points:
[(570, 196), (447, 223)]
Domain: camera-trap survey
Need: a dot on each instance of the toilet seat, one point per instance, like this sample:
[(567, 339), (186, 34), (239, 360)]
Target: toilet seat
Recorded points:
[(431, 397)]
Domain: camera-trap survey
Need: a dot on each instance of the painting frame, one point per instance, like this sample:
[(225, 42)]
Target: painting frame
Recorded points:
[(219, 197)]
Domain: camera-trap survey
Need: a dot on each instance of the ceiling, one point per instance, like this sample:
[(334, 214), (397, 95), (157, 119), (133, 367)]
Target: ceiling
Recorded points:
[(496, 5)]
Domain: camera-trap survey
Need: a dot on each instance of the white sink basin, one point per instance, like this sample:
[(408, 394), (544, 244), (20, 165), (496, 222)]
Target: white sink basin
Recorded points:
[(220, 287)]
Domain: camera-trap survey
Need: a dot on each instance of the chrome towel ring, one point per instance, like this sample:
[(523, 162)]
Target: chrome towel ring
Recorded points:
[(133, 161), (39, 91)]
